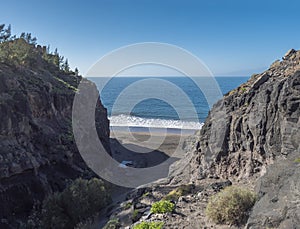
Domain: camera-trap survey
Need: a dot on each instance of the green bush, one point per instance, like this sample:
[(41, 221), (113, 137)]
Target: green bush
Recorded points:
[(78, 202), (53, 213), (177, 192), (112, 224), (297, 160), (87, 224), (163, 206), (136, 215), (149, 225), (127, 205), (231, 205)]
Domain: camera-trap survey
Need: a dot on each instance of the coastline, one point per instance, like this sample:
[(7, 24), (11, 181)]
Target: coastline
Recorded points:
[(168, 141), (154, 130), (147, 149)]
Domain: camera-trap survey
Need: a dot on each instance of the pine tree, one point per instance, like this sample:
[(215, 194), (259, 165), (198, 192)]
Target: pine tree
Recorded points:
[(66, 67), (48, 49), (5, 34), (76, 71), (1, 32), (28, 38)]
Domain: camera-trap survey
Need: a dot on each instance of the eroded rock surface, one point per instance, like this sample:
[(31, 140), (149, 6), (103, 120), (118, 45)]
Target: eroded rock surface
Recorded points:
[(38, 154), (279, 197), (250, 128)]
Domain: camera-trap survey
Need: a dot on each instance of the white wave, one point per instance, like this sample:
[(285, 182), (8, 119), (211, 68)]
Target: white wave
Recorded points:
[(133, 121)]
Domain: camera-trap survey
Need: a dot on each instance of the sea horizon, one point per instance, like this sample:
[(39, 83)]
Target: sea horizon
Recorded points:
[(154, 113)]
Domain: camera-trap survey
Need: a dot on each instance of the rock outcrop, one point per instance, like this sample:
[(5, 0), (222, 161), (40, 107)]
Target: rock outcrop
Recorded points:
[(260, 123), (251, 138), (256, 141), (38, 154), (279, 196)]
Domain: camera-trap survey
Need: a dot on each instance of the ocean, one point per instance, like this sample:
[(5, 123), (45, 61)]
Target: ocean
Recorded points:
[(133, 102)]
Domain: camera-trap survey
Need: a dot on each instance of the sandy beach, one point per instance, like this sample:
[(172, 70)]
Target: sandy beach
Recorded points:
[(145, 149)]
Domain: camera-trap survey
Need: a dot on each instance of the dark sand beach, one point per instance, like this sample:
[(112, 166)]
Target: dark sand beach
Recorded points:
[(146, 149)]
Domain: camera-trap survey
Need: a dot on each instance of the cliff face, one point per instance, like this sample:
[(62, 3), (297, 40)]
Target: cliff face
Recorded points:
[(262, 124), (37, 150), (259, 139)]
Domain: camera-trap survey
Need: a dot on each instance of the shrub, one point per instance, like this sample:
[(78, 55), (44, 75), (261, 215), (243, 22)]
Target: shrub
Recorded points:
[(112, 224), (81, 200), (231, 205), (136, 215), (163, 206), (146, 194), (243, 89), (53, 213), (149, 225), (87, 224), (297, 160), (179, 191), (127, 205)]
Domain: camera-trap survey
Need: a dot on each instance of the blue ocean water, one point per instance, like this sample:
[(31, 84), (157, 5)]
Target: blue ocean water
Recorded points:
[(134, 102)]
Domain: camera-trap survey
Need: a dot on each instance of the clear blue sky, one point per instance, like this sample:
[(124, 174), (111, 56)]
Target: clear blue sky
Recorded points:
[(230, 36)]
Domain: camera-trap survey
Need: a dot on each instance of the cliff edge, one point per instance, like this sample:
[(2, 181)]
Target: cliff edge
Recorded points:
[(259, 144), (38, 155), (261, 124)]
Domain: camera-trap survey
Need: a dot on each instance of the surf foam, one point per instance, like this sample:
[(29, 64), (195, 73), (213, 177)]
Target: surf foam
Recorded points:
[(134, 121)]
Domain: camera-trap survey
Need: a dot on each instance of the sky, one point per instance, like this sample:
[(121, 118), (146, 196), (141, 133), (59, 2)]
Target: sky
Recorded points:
[(231, 37)]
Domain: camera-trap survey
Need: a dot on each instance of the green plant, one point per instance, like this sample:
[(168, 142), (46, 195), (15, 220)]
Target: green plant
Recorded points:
[(149, 225), (135, 215), (231, 205), (53, 213), (179, 191), (146, 194), (243, 89), (162, 206), (86, 224), (79, 201), (127, 205), (112, 224), (297, 160)]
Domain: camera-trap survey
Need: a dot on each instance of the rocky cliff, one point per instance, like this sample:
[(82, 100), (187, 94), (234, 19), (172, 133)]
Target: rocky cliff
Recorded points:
[(251, 138), (260, 124), (37, 151), (256, 142)]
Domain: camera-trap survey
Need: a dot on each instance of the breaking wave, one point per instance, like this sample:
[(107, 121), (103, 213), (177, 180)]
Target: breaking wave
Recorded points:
[(134, 121)]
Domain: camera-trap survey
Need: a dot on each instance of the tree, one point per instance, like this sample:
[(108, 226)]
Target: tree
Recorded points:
[(28, 38), (56, 52), (5, 34), (76, 71), (61, 62), (48, 49), (2, 27), (66, 66), (79, 201)]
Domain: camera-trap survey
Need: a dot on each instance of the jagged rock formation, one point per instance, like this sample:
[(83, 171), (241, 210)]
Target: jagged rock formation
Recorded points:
[(279, 193), (259, 138), (261, 123), (38, 154), (253, 133)]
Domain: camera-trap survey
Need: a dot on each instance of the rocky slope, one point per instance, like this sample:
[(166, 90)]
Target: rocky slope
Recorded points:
[(37, 150), (260, 123), (251, 138), (259, 139), (279, 193)]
